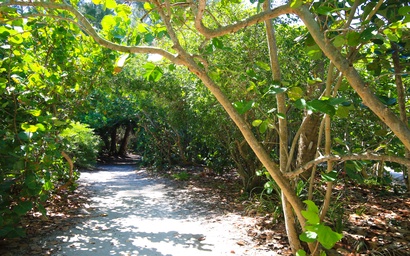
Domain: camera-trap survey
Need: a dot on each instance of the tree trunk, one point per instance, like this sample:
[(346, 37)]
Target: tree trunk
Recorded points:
[(307, 146), (113, 142), (401, 99), (290, 222), (125, 140)]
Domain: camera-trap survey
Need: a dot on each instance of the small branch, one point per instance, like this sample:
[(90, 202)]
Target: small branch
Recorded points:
[(260, 17), (354, 157)]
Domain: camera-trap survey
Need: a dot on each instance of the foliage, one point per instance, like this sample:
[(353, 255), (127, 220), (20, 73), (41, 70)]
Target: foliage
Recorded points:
[(81, 143), (317, 231), (42, 86)]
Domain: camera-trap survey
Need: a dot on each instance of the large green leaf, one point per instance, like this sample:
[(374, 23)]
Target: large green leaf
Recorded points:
[(311, 217), (243, 106), (110, 4), (23, 207), (327, 237), (321, 106), (108, 22), (152, 72), (308, 236)]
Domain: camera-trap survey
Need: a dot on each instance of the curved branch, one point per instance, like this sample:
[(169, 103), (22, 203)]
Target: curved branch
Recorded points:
[(366, 156), (260, 17), (82, 22)]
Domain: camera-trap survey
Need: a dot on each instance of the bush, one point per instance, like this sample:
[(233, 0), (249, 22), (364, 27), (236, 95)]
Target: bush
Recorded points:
[(82, 144)]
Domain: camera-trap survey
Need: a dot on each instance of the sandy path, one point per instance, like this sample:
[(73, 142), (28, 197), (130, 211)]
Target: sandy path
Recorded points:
[(133, 214)]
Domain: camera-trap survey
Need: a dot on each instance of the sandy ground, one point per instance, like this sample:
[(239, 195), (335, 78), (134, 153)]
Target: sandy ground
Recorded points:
[(133, 214)]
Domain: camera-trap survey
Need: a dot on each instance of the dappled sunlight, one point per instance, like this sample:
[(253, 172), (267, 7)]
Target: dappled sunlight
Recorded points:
[(133, 214)]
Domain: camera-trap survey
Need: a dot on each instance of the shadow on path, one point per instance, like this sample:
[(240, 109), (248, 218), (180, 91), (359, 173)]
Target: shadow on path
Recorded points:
[(133, 214)]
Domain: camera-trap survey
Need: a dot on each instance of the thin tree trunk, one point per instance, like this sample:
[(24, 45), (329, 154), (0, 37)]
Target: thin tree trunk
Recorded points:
[(113, 143), (401, 99), (125, 140), (328, 144), (290, 221), (307, 145)]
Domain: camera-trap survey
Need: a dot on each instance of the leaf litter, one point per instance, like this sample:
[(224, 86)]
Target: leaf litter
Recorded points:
[(374, 221)]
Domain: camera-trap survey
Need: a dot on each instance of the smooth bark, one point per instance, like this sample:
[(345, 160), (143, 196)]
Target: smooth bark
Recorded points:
[(283, 131)]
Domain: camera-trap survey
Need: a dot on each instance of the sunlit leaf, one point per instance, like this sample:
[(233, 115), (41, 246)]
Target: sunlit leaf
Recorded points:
[(34, 112), (108, 22), (329, 176), (311, 217), (301, 252), (256, 123), (110, 4), (308, 236), (29, 128), (296, 3), (263, 65), (311, 206), (300, 104), (295, 93), (16, 39), (327, 237)]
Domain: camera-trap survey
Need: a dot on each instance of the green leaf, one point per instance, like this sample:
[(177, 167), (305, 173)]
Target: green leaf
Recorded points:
[(330, 176), (300, 104), (300, 253), (243, 106), (28, 127), (41, 127), (108, 22), (311, 206), (321, 106), (336, 101), (275, 90), (339, 41), (31, 181), (281, 115), (34, 112), (263, 127), (295, 93), (387, 101), (41, 209), (324, 10), (327, 237), (308, 236), (217, 43), (296, 3), (23, 207), (263, 65), (367, 34), (110, 4), (342, 112), (353, 38), (256, 123), (16, 39), (152, 72), (311, 217), (404, 10)]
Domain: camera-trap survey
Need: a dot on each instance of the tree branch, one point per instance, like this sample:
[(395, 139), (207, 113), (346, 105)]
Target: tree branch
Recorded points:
[(366, 156), (260, 17)]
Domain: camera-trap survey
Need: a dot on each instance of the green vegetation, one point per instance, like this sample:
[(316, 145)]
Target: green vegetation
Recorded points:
[(310, 105)]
